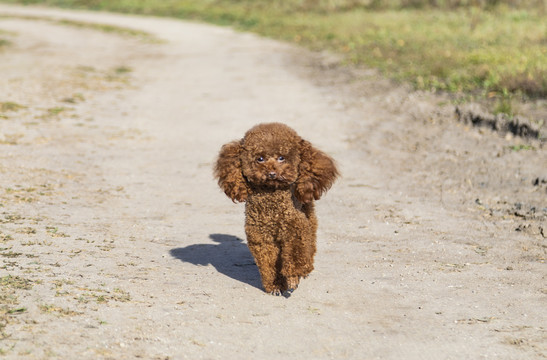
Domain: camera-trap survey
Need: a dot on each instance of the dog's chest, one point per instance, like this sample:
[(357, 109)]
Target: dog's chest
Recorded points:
[(265, 207)]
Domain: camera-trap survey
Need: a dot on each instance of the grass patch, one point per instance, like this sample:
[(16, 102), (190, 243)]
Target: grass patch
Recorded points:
[(15, 282), (56, 110), (10, 106), (52, 309), (123, 69), (110, 29), (16, 311), (54, 232), (102, 296), (143, 35), (494, 47), (521, 147), (76, 98), (11, 218), (10, 254), (5, 238), (4, 43)]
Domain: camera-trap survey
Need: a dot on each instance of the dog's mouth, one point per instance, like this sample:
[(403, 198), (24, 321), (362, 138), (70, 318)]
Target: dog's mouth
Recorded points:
[(275, 180), (270, 179)]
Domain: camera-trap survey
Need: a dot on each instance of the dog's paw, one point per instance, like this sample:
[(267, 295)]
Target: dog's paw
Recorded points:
[(287, 293), (276, 292), (292, 283)]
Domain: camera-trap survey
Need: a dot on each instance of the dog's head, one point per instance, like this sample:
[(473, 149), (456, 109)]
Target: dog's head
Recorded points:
[(274, 156), (270, 156)]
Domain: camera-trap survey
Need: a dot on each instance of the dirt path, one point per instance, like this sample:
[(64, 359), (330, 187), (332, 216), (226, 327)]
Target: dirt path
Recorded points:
[(116, 242)]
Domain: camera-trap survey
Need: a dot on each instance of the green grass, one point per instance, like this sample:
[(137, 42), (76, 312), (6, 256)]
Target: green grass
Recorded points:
[(111, 29), (15, 282), (10, 106), (4, 43), (495, 49)]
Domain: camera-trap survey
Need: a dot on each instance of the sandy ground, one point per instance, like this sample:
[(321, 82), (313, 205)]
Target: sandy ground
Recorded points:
[(116, 242)]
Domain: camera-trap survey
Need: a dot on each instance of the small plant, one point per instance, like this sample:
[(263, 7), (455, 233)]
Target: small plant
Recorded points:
[(123, 70), (521, 147), (56, 110), (10, 106), (110, 29), (11, 219), (52, 309), (15, 282), (54, 232), (17, 311), (504, 105), (5, 238), (10, 254), (74, 99), (4, 43), (26, 230)]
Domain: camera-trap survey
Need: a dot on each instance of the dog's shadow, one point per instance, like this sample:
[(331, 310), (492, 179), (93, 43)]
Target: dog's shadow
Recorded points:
[(230, 256)]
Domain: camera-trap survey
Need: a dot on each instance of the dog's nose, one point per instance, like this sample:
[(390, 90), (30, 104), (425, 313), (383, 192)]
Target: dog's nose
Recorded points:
[(272, 174)]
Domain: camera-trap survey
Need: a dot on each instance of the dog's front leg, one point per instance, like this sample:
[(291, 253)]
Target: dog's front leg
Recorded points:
[(266, 254), (297, 251)]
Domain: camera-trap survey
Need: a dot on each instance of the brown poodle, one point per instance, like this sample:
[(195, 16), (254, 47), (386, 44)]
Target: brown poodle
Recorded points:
[(279, 175)]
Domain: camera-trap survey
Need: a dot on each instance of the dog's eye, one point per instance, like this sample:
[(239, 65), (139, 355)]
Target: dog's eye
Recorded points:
[(260, 159), (281, 159)]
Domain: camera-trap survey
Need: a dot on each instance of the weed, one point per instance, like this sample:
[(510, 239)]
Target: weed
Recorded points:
[(26, 230), (10, 106), (504, 106), (314, 311), (123, 70), (101, 296), (56, 110), (15, 282), (111, 29), (121, 295), (54, 232), (52, 309), (118, 74), (5, 238), (11, 218), (10, 139), (60, 283), (4, 43), (84, 68), (78, 97), (82, 299), (10, 254), (16, 311), (8, 299), (521, 147)]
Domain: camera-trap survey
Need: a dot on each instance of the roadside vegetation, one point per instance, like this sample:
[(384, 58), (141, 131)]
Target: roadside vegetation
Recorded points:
[(495, 49), (3, 41)]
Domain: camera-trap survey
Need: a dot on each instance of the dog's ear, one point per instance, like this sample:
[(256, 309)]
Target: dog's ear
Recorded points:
[(317, 173), (228, 172)]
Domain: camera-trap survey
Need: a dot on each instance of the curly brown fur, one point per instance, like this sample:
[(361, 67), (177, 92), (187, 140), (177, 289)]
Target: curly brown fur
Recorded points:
[(279, 175)]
